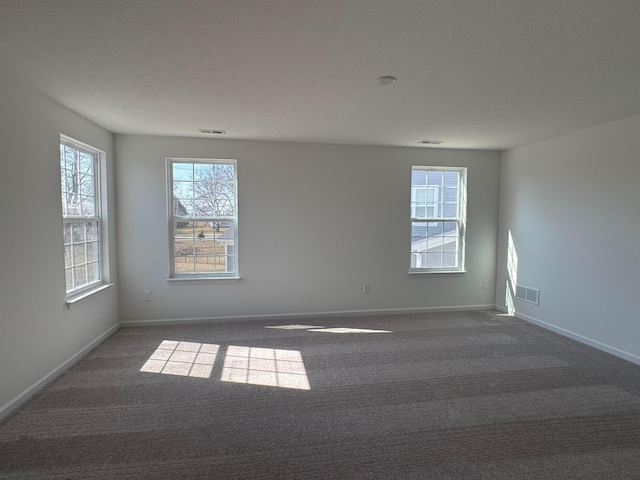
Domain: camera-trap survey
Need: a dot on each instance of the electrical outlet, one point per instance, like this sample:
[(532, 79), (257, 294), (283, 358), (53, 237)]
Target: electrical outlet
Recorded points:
[(147, 295), (485, 284), (366, 288)]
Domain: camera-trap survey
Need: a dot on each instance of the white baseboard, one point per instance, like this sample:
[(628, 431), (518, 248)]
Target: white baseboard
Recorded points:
[(344, 313), (25, 395), (576, 336)]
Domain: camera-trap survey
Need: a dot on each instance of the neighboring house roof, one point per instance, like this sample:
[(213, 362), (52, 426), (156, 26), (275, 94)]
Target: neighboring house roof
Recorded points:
[(426, 244), (228, 236)]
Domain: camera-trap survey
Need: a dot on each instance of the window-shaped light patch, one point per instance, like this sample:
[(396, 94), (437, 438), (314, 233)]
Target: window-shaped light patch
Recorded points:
[(188, 359), (265, 366), (320, 328), (348, 330)]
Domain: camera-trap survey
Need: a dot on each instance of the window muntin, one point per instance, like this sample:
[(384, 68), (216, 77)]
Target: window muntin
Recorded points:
[(203, 217), (82, 228), (438, 206)]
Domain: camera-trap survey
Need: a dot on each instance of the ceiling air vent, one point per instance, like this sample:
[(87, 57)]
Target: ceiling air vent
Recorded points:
[(527, 294), (430, 142), (211, 132)]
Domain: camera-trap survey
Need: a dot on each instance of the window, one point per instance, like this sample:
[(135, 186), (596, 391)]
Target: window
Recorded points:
[(203, 218), (81, 212), (438, 207)]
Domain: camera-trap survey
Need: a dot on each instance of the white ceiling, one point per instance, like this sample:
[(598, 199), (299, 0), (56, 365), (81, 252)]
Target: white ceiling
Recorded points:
[(486, 74)]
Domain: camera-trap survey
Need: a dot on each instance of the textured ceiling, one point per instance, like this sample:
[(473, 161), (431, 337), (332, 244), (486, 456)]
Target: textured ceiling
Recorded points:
[(487, 74)]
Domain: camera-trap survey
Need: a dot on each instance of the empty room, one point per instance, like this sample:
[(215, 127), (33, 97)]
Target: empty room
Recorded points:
[(319, 239)]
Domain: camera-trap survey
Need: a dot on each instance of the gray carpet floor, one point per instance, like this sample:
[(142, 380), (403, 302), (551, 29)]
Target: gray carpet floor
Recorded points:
[(456, 395)]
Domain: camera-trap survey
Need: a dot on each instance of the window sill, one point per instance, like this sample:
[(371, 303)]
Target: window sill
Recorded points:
[(83, 297), (436, 272), (200, 280)]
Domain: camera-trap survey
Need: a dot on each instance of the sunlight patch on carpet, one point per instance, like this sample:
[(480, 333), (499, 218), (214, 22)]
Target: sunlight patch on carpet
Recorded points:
[(294, 327), (187, 359), (265, 366), (321, 329), (348, 330)]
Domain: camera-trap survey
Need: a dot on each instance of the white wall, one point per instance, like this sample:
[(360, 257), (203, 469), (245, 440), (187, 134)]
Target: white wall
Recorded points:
[(572, 205), (37, 332), (315, 223)]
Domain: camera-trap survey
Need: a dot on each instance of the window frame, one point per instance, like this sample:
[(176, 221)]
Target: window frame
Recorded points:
[(438, 208), (98, 187), (180, 277)]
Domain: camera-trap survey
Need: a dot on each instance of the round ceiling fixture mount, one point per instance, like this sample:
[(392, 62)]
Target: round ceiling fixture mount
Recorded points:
[(387, 80)]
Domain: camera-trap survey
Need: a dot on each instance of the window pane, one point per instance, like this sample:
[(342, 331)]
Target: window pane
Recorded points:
[(434, 260), (183, 207), (450, 194), (437, 244), (213, 190), (86, 184), (230, 258), (73, 204), (85, 162), (418, 232), (77, 232), (183, 247), (66, 232), (203, 190), (78, 180), (450, 210), (434, 228), (184, 264), (68, 272), (87, 206), (68, 256), (183, 189), (225, 172), (79, 254), (93, 273), (203, 172), (65, 210), (434, 178), (80, 276), (418, 177), (206, 207), (92, 231), (183, 171), (204, 244), (224, 204), (93, 252), (224, 234), (450, 244), (451, 178), (449, 259)]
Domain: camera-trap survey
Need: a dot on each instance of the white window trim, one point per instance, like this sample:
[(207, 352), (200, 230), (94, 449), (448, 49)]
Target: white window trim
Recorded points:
[(82, 294), (174, 278), (79, 299), (461, 219)]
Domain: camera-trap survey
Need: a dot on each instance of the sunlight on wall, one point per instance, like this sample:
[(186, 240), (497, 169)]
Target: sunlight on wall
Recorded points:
[(187, 359), (512, 271), (512, 262), (265, 366), (511, 309)]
